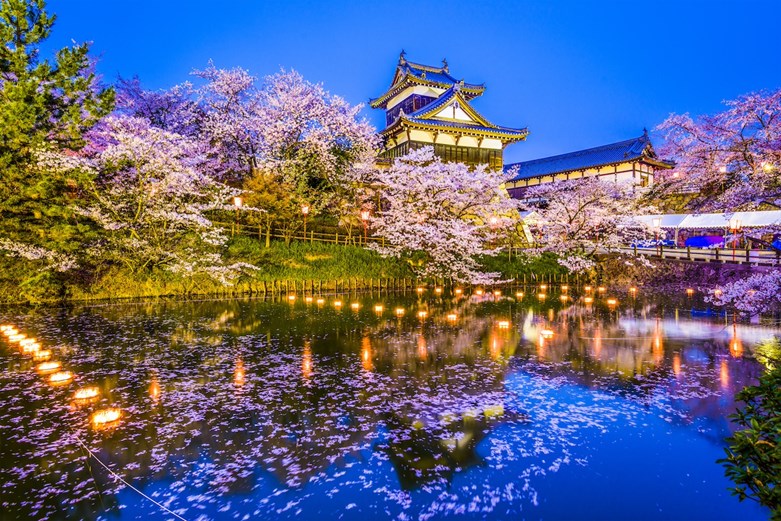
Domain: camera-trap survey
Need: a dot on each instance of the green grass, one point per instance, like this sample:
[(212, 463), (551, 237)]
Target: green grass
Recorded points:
[(281, 266)]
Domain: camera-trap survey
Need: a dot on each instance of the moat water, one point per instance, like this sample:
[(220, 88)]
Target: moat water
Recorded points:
[(431, 406)]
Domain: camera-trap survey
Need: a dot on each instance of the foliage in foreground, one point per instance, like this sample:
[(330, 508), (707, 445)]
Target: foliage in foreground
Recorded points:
[(753, 459)]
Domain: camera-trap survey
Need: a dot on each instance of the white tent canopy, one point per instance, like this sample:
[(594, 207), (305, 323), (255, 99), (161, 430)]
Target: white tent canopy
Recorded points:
[(713, 220)]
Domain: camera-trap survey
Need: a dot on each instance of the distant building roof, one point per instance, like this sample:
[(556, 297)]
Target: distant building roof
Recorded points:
[(622, 151)]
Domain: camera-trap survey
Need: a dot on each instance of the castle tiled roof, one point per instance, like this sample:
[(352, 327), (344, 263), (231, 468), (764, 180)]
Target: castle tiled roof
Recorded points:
[(614, 153), (409, 73)]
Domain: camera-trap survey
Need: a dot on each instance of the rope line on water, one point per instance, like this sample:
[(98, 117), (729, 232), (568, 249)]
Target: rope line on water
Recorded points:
[(123, 481)]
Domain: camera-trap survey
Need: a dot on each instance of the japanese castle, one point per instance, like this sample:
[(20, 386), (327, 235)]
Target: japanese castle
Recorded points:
[(426, 106)]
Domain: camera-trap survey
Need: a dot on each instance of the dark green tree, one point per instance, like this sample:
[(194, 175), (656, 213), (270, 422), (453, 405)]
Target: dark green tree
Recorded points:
[(44, 105), (753, 459)]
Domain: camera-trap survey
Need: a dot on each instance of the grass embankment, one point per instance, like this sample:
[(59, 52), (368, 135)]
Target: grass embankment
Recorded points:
[(318, 266)]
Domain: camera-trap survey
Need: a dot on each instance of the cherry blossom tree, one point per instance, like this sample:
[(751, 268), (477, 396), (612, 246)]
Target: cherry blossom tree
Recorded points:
[(752, 295), (442, 216), (583, 218), (150, 194), (727, 161)]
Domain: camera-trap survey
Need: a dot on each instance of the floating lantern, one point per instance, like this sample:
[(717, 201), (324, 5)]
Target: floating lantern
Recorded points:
[(308, 300), (588, 300), (601, 289), (422, 314), (543, 286), (717, 292), (503, 324), (10, 330), (356, 306), (291, 298), (546, 333), (86, 394), (633, 290), (563, 298), (437, 290), (612, 302), (452, 317), (378, 308), (5, 327), (337, 303), (105, 417), (519, 294), (478, 292), (42, 355), (542, 296), (18, 337), (497, 293), (587, 288), (690, 291), (458, 291), (399, 312), (320, 301), (30, 348), (48, 367), (61, 378), (420, 289), (564, 288)]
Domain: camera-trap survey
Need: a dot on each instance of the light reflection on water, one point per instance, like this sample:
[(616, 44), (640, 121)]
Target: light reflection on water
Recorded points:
[(483, 406)]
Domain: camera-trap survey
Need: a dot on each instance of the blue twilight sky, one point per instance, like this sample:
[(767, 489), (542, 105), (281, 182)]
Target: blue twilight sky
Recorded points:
[(576, 73)]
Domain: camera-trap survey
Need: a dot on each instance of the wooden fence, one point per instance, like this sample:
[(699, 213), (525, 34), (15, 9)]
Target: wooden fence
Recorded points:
[(724, 255)]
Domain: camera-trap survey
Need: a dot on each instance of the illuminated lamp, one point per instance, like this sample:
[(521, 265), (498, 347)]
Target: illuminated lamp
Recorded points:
[(86, 393), (546, 333), (105, 417), (48, 367), (503, 324), (399, 312), (61, 378)]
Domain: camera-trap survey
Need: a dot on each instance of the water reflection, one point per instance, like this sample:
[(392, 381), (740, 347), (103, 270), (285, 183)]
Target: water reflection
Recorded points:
[(284, 403)]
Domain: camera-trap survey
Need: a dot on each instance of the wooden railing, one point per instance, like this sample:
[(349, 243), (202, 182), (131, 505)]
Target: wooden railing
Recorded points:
[(312, 235), (723, 255)]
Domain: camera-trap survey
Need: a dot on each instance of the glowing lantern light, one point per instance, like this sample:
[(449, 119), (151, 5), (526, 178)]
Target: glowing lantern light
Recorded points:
[(632, 290), (504, 324), (588, 300), (497, 293), (542, 296), (420, 289), (399, 312), (601, 289), (564, 288), (308, 300), (478, 292), (320, 301), (612, 302), (61, 378), (18, 337), (690, 291), (587, 288), (86, 393), (459, 291), (5, 327), (105, 417), (519, 294), (437, 290), (422, 314), (31, 348), (291, 298), (452, 317), (546, 333), (239, 374), (337, 303), (717, 292), (563, 298), (48, 367), (42, 355), (355, 305), (378, 308), (543, 287)]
